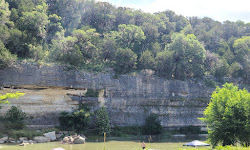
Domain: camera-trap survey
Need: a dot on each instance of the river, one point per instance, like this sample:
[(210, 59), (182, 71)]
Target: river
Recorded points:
[(111, 144)]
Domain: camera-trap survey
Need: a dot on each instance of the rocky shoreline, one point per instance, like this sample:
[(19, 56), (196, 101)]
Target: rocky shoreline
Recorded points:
[(47, 137)]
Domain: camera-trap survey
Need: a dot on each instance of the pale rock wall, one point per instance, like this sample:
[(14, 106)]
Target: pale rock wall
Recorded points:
[(129, 99)]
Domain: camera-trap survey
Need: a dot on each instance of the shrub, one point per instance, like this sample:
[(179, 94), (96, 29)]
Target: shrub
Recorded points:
[(24, 133), (152, 125), (102, 120), (190, 130), (210, 83), (74, 121), (15, 119), (92, 93), (127, 130)]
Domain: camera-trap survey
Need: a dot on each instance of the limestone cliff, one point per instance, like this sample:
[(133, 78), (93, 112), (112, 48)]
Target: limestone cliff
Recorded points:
[(129, 99)]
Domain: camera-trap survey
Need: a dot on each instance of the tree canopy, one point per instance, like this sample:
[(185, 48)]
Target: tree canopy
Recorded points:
[(228, 116), (90, 34)]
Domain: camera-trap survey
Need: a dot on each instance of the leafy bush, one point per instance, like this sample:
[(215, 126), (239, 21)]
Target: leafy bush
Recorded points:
[(74, 121), (210, 83), (152, 125), (92, 93), (190, 130), (127, 130), (6, 58), (24, 133), (15, 119), (102, 120), (49, 130)]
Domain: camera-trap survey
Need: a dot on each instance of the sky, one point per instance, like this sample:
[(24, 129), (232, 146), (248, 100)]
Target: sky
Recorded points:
[(220, 10)]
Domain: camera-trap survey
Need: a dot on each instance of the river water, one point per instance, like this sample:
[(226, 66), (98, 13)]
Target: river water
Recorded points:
[(111, 144)]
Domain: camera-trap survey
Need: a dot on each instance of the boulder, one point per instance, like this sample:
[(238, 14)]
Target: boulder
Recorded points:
[(4, 138), (51, 135), (31, 142), (11, 140), (83, 136), (41, 139), (68, 140), (59, 136), (79, 140), (23, 139), (65, 140), (24, 143)]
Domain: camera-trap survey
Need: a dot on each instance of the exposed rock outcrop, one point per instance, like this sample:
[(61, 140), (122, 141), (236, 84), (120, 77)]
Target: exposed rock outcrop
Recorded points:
[(129, 99)]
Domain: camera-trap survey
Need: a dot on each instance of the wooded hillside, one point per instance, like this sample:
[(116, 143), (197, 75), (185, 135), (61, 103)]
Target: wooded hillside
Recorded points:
[(95, 35)]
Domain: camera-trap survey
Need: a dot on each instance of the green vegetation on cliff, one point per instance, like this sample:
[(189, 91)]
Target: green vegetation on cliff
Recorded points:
[(95, 35)]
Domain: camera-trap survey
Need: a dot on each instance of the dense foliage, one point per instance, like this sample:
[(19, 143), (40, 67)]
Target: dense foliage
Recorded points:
[(228, 116), (77, 120), (152, 125), (87, 34), (15, 119), (102, 121)]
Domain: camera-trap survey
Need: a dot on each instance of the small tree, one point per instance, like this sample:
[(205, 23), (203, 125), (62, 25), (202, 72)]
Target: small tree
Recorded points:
[(152, 125), (228, 116), (15, 119), (102, 120)]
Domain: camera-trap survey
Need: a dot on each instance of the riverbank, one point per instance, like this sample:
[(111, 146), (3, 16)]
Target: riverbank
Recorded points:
[(110, 145)]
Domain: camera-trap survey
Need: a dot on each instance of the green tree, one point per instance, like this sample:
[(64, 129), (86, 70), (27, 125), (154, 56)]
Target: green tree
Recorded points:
[(227, 116), (242, 52), (109, 47), (236, 70), (125, 60), (16, 43), (54, 26), (130, 36), (152, 125), (66, 51), (34, 24), (102, 121), (4, 12), (6, 58), (222, 69), (77, 120), (88, 42), (164, 64), (189, 56), (37, 52), (146, 60), (15, 119)]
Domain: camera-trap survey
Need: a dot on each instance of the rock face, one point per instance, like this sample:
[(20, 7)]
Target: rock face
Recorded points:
[(3, 140), (129, 99)]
